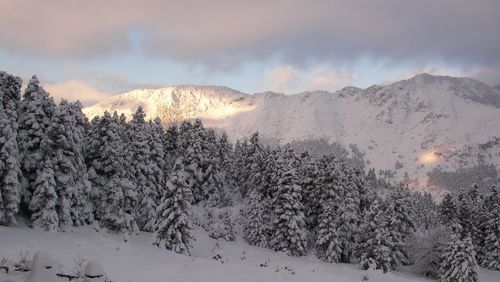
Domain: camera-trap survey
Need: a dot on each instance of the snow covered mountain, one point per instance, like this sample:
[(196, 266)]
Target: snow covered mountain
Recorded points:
[(409, 126)]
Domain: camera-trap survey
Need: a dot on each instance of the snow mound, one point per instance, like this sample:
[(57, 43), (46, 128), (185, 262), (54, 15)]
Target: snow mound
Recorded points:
[(42, 268), (94, 269), (42, 259)]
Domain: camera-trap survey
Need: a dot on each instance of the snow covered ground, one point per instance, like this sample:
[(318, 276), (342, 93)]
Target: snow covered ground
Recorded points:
[(138, 260)]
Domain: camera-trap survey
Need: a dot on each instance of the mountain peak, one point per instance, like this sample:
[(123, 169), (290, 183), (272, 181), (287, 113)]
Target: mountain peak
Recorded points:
[(350, 91), (433, 78), (464, 87), (191, 88), (426, 75)]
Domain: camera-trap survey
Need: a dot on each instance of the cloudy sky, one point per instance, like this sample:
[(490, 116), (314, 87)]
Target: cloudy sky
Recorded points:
[(91, 49)]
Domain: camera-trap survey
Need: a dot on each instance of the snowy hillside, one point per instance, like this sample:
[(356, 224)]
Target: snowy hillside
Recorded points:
[(138, 260), (409, 126)]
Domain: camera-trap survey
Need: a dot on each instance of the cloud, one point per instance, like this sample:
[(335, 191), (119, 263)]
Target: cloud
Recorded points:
[(224, 33), (289, 80), (326, 78), (108, 81), (281, 79), (488, 75), (74, 90)]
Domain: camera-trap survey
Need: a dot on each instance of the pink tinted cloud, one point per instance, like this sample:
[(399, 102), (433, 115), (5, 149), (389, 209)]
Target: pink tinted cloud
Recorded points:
[(74, 90), (289, 79)]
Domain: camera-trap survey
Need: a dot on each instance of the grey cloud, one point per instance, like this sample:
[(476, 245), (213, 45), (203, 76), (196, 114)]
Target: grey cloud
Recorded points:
[(223, 34)]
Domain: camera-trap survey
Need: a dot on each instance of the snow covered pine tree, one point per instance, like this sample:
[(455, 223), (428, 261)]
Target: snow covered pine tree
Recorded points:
[(146, 169), (289, 233), (374, 248), (459, 262), (172, 226), (9, 151), (43, 203), (490, 249), (35, 114), (328, 242), (113, 193), (63, 146), (257, 227)]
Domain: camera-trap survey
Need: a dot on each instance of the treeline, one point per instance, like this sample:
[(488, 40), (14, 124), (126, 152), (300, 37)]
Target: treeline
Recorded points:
[(485, 176), (61, 171)]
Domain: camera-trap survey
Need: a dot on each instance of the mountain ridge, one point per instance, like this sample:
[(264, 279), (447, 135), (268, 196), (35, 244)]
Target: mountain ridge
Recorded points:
[(411, 126), (421, 77)]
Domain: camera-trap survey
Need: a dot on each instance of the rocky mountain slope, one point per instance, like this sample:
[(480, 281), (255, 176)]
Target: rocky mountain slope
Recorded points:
[(409, 126)]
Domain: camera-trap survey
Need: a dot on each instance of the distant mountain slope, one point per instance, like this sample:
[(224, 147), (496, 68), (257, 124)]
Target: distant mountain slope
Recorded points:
[(409, 126)]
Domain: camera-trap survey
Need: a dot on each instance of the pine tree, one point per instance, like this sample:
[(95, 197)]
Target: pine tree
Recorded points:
[(374, 247), (328, 242), (429, 253), (146, 170), (172, 227), (117, 199), (489, 256), (447, 209), (491, 247), (309, 182), (426, 211), (214, 183), (289, 223), (171, 150), (156, 143), (459, 262), (43, 203), (35, 114), (469, 205), (257, 228), (239, 162), (64, 147), (252, 166), (206, 178), (328, 245), (139, 156), (82, 211), (192, 148), (368, 195), (9, 151), (269, 172), (225, 150), (349, 211), (400, 223), (226, 160), (113, 194), (323, 177), (184, 137)]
